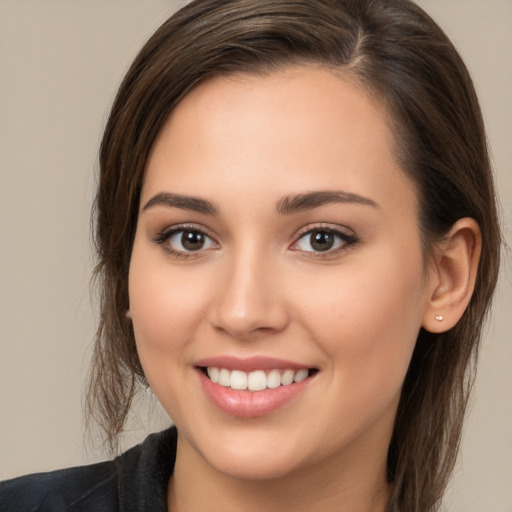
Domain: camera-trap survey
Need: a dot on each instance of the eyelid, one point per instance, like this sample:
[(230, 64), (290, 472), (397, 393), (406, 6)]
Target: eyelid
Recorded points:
[(333, 228), (185, 226), (346, 234), (163, 235)]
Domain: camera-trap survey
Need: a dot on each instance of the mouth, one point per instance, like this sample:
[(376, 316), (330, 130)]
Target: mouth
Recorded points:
[(253, 387), (257, 380)]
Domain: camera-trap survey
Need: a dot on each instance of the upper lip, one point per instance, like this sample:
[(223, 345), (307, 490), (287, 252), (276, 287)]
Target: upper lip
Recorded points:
[(249, 364)]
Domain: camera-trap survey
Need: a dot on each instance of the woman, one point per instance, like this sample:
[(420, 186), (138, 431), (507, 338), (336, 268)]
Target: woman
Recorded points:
[(298, 244)]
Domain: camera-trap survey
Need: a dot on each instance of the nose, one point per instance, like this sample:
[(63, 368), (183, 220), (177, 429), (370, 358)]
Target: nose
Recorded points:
[(249, 298)]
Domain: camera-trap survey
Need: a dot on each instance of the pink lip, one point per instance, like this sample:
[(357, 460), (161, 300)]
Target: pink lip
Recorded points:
[(250, 364), (250, 404)]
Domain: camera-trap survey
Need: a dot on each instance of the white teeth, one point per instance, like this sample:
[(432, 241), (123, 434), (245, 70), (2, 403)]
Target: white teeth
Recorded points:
[(300, 376), (213, 373), (238, 380), (257, 380), (287, 377), (225, 378), (274, 379)]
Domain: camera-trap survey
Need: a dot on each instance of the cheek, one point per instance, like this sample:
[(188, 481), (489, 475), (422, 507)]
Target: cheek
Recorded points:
[(367, 320), (165, 310), (164, 306)]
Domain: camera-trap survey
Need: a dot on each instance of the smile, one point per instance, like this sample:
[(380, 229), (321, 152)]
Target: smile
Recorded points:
[(257, 380), (255, 386)]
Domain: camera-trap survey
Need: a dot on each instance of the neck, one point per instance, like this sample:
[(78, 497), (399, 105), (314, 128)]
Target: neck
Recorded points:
[(355, 485)]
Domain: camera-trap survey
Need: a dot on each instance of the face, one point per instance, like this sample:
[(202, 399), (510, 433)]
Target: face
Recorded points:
[(277, 283)]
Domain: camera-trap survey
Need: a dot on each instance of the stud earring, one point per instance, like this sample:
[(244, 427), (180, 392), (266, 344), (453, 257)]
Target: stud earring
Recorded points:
[(439, 318)]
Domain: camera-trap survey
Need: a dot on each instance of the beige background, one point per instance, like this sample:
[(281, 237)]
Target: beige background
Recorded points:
[(60, 64)]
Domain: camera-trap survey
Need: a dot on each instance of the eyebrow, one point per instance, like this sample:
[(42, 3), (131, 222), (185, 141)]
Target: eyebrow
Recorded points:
[(285, 206), (308, 201), (195, 204)]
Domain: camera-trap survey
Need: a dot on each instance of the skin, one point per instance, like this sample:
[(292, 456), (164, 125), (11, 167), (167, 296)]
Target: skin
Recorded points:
[(258, 289)]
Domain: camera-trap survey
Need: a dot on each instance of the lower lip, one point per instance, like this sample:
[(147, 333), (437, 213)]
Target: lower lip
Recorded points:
[(250, 404)]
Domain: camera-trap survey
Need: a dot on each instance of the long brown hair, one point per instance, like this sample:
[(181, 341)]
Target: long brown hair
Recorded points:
[(402, 57)]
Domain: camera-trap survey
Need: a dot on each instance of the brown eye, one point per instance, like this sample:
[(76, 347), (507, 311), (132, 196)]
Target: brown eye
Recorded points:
[(188, 240), (192, 240), (321, 240)]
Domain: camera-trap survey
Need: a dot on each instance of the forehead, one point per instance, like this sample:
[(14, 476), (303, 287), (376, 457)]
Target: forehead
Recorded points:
[(288, 98), (298, 129)]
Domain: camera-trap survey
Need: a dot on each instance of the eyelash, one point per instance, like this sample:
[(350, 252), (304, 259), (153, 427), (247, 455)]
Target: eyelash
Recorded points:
[(346, 240), (166, 234)]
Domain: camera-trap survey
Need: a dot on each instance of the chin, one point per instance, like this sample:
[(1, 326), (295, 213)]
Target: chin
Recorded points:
[(256, 465), (251, 453)]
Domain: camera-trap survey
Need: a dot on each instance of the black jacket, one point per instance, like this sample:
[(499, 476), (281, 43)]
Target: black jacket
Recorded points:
[(135, 481)]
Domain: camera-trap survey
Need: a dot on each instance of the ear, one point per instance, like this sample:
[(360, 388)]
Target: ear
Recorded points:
[(128, 314), (452, 276)]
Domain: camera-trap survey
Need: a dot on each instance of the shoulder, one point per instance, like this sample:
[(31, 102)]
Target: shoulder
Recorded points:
[(61, 490), (141, 471)]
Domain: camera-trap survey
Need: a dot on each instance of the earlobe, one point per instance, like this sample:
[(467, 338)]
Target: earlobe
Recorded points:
[(128, 314), (453, 275)]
